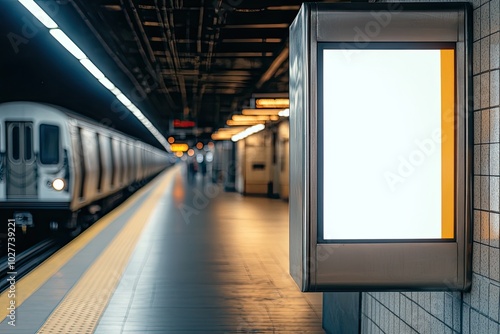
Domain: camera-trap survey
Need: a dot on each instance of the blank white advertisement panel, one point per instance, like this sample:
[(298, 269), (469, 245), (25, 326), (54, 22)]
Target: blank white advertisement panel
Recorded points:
[(388, 144)]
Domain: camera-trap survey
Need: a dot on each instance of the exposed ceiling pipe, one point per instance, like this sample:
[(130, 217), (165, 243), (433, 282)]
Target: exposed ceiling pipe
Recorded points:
[(168, 21), (166, 33), (145, 39), (217, 22), (108, 50), (270, 72), (154, 71), (277, 62), (198, 87), (200, 27), (168, 38), (137, 40)]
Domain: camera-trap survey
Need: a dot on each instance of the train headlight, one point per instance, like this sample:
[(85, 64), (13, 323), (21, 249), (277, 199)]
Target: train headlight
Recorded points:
[(58, 184)]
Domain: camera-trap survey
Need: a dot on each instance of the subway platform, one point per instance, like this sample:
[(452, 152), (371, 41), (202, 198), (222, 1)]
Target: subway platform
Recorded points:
[(178, 256)]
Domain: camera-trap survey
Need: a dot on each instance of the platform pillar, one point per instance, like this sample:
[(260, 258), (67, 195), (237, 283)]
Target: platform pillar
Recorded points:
[(342, 312)]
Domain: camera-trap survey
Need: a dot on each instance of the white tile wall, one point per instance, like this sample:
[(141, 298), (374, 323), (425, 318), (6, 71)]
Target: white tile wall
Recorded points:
[(478, 311)]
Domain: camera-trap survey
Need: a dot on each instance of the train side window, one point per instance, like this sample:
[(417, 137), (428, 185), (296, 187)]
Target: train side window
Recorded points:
[(124, 162), (99, 162), (132, 162), (112, 153), (82, 162), (143, 162), (119, 163), (49, 144)]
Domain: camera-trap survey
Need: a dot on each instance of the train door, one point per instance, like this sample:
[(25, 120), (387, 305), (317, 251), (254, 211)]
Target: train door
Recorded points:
[(21, 162)]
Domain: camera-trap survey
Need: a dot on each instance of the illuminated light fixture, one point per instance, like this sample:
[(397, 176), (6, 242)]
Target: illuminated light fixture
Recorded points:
[(137, 113), (92, 69), (222, 136), (272, 103), (242, 118), (249, 131), (67, 43), (115, 91), (179, 147), (140, 116), (134, 109), (227, 133), (230, 122), (123, 99), (233, 129), (107, 84), (171, 140), (58, 184), (72, 48), (284, 113), (260, 112), (179, 154), (190, 152), (199, 145), (39, 13)]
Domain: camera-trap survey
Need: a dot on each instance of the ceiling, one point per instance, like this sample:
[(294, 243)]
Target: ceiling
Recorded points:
[(199, 60)]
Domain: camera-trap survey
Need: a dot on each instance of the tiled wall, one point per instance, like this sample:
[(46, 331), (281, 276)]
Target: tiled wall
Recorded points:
[(478, 310)]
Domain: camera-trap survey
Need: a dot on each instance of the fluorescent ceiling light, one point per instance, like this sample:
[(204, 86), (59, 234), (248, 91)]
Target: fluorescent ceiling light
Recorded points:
[(272, 103), (72, 48), (242, 118), (260, 112), (284, 112), (136, 112), (65, 41), (38, 13), (254, 118), (116, 91), (106, 83), (123, 99), (233, 129), (92, 68), (230, 122), (219, 136), (249, 131)]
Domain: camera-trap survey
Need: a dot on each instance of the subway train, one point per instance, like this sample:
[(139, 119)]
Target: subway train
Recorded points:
[(59, 170)]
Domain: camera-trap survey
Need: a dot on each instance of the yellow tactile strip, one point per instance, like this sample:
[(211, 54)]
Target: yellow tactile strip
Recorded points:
[(26, 286), (81, 309)]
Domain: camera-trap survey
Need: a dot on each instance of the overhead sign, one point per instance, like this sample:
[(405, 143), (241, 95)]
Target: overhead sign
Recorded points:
[(380, 147), (183, 124)]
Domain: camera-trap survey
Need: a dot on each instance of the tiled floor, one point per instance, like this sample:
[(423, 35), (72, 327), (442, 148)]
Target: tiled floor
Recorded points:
[(212, 262), (207, 261)]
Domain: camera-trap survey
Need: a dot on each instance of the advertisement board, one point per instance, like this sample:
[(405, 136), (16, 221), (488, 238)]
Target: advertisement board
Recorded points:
[(380, 147)]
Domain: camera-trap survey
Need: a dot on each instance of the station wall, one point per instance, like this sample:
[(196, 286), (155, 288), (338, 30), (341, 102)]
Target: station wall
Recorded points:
[(476, 311)]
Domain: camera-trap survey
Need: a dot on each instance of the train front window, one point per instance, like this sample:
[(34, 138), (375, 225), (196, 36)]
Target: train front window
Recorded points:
[(49, 144), (15, 143), (28, 142)]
